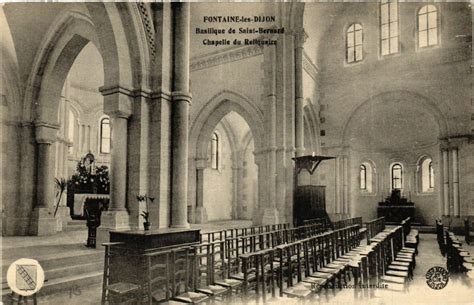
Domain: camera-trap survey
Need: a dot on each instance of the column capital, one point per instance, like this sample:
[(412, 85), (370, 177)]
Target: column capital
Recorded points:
[(201, 163), (444, 145), (300, 38), (260, 157), (299, 151), (182, 96), (454, 141), (45, 133), (118, 101), (109, 90), (118, 114)]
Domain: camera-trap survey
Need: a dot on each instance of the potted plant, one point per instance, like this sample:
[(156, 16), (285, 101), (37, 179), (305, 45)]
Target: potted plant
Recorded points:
[(146, 224), (145, 214), (61, 186)]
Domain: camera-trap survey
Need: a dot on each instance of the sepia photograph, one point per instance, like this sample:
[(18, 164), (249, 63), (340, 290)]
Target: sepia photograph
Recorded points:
[(250, 152)]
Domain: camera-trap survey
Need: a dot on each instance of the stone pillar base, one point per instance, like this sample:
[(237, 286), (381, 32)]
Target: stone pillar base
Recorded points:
[(111, 221), (42, 222), (200, 215), (64, 213), (337, 216), (62, 217), (181, 226), (270, 216), (257, 217)]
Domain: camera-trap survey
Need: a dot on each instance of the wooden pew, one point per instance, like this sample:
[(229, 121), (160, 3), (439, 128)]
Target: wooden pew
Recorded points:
[(374, 227)]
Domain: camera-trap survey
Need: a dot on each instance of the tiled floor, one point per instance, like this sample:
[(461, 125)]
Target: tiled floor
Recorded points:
[(456, 292)]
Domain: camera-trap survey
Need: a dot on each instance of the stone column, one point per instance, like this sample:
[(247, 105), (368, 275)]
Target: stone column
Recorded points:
[(80, 139), (338, 184), (237, 191), (66, 139), (87, 138), (118, 107), (266, 205), (201, 213), (43, 222), (455, 164), (445, 182), (299, 96), (345, 176), (181, 99), (266, 160), (118, 161)]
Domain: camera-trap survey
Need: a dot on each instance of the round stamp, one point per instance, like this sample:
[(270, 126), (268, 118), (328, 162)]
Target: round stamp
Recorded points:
[(437, 277), (25, 276)]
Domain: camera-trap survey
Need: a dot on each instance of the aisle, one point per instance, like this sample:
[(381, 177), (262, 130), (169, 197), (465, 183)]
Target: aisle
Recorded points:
[(456, 292)]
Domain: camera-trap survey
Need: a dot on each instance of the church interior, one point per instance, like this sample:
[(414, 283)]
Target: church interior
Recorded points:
[(238, 152)]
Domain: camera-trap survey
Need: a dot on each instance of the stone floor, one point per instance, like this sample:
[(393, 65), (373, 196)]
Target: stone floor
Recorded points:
[(68, 244), (456, 292)]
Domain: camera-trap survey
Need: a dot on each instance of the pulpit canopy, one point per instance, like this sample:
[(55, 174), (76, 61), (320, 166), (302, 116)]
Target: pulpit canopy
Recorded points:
[(309, 162)]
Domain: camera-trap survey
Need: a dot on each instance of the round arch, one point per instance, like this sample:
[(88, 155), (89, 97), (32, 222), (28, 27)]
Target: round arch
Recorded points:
[(65, 39), (407, 99), (108, 28)]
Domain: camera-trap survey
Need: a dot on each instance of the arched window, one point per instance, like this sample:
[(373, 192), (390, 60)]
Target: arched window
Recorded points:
[(366, 171), (427, 175), (427, 26), (363, 177), (215, 151), (105, 135), (431, 174), (389, 35), (354, 46), (397, 176)]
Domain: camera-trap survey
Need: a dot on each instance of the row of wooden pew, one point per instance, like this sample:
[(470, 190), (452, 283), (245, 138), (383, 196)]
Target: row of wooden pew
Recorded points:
[(321, 224), (374, 227), (292, 262), (338, 224), (303, 268), (347, 222), (208, 270), (459, 260), (171, 273), (299, 268), (411, 236), (324, 222), (390, 261), (236, 232)]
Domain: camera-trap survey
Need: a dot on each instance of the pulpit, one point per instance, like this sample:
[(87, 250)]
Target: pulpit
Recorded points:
[(309, 200)]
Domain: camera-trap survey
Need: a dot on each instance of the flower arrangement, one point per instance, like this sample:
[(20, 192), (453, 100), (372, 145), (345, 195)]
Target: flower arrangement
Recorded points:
[(91, 179), (146, 214), (102, 179)]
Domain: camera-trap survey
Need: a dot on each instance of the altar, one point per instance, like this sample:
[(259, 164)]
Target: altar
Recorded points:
[(396, 208)]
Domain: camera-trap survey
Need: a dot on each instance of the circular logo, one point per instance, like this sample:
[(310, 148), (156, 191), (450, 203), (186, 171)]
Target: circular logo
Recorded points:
[(437, 277), (25, 276)]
